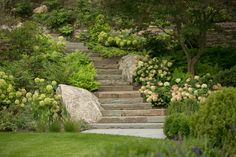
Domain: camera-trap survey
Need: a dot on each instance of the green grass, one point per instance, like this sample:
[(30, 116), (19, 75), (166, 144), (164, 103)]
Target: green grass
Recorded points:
[(60, 144)]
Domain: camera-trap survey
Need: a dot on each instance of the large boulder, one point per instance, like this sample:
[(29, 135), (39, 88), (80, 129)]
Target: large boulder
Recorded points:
[(128, 65), (80, 103), (41, 9)]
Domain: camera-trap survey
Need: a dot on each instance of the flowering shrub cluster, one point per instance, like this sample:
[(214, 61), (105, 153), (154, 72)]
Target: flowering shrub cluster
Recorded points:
[(123, 39), (159, 88), (155, 76), (196, 88), (8, 93), (43, 99)]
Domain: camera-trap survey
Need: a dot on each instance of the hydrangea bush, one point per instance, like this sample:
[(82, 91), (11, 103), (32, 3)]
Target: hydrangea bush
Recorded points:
[(122, 39), (8, 94), (155, 76), (159, 87), (196, 88), (43, 102)]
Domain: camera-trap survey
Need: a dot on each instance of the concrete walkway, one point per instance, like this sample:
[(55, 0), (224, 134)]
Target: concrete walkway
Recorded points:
[(148, 133)]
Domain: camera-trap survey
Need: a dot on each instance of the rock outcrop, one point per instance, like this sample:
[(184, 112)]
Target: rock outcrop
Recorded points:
[(128, 66), (41, 9), (80, 103)]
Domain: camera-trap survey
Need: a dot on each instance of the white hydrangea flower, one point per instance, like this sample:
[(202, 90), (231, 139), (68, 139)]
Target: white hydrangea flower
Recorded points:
[(169, 64), (204, 85), (196, 77), (167, 84), (178, 80)]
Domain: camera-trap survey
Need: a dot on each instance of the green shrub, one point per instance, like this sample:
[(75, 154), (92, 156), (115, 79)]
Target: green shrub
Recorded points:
[(71, 126), (216, 119), (85, 78), (109, 52), (80, 72), (159, 44), (15, 118), (187, 107), (86, 13), (98, 26), (8, 121), (44, 60), (227, 77), (177, 126), (52, 4), (24, 8), (224, 57), (20, 41), (56, 18), (124, 39), (66, 30)]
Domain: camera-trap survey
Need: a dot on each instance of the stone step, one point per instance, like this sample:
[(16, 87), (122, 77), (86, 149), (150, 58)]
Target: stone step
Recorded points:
[(148, 112), (118, 94), (135, 106), (127, 125), (108, 77), (132, 119), (115, 88), (105, 60), (90, 54), (109, 71), (120, 100), (72, 46), (113, 83), (106, 66)]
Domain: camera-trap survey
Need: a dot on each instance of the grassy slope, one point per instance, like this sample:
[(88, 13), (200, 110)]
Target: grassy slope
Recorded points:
[(59, 144)]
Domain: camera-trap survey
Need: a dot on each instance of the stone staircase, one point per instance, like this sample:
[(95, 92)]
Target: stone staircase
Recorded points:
[(123, 106)]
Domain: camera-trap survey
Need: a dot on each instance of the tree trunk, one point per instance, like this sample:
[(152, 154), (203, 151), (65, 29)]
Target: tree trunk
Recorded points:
[(191, 66)]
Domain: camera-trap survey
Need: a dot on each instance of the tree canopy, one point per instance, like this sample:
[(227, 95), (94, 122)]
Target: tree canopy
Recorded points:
[(191, 18)]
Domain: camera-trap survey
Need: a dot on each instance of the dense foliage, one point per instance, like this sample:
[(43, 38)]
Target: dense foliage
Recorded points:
[(216, 120), (227, 77), (34, 54), (177, 126)]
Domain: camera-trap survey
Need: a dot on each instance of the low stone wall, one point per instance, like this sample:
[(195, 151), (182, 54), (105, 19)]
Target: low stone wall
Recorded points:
[(226, 35)]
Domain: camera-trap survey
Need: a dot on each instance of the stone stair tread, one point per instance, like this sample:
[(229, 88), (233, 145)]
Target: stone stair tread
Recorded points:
[(97, 60), (132, 119), (135, 112), (109, 71), (116, 88), (121, 100), (108, 76), (118, 94), (106, 66), (129, 106), (113, 83), (127, 125)]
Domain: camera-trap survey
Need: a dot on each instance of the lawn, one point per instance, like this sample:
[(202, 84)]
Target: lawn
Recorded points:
[(60, 144)]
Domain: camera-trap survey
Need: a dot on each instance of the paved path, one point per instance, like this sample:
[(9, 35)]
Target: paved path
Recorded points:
[(148, 133)]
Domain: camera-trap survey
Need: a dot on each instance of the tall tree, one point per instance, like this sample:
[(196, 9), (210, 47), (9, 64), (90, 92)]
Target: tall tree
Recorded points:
[(192, 20)]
